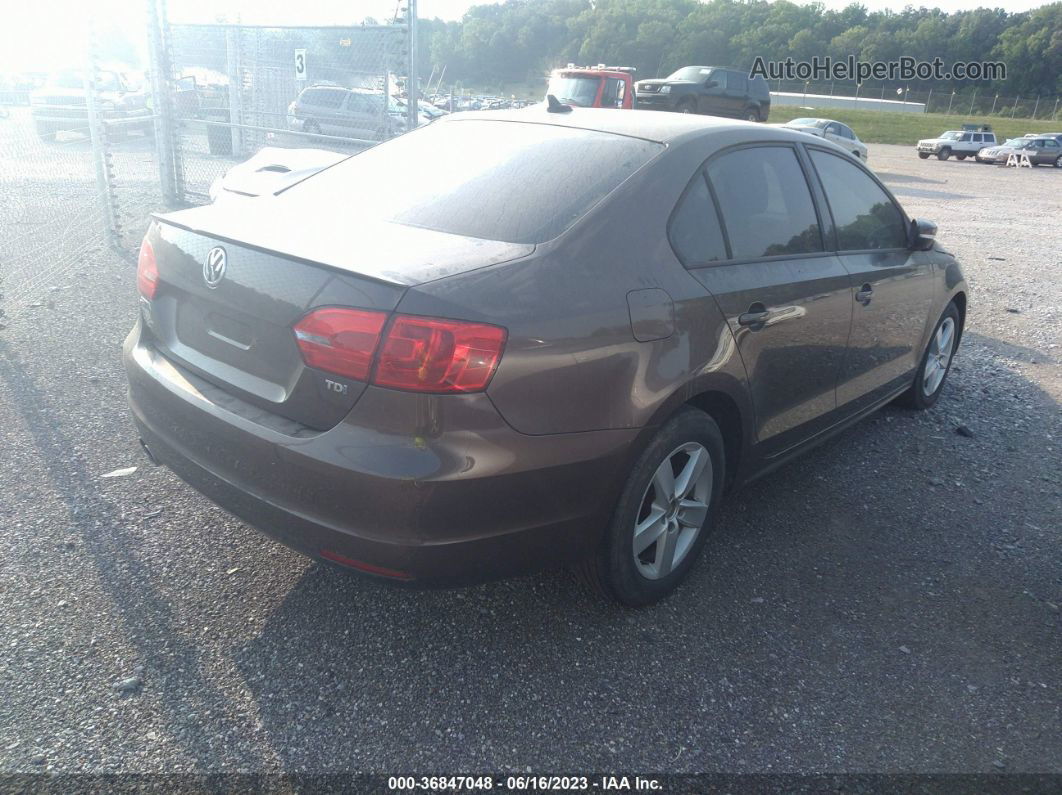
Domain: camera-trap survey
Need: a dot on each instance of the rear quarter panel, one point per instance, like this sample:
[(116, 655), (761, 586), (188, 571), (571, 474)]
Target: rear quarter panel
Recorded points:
[(572, 362)]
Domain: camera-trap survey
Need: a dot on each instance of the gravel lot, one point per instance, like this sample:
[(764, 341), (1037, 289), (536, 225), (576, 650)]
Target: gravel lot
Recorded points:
[(889, 603)]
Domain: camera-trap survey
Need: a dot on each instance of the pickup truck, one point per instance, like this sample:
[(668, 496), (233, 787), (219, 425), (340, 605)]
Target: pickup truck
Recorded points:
[(963, 143), (593, 86), (61, 104)]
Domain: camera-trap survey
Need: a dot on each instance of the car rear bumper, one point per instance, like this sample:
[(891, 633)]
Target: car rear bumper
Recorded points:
[(433, 489)]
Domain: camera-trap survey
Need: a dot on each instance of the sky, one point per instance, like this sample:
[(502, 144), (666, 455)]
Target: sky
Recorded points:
[(48, 34)]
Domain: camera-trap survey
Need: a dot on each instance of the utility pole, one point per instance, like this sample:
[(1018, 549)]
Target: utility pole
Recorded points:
[(412, 106)]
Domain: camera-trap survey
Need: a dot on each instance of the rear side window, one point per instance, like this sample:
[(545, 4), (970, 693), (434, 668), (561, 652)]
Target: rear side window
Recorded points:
[(766, 202), (323, 97), (694, 230), (736, 81), (508, 181), (865, 216)]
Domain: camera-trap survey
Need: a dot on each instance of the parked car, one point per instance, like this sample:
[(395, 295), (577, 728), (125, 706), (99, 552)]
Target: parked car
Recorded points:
[(269, 171), (961, 143), (838, 132), (515, 339), (61, 104), (1042, 151), (593, 86), (713, 90), (348, 113)]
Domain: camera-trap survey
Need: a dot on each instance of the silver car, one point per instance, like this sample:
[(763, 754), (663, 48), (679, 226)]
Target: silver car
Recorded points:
[(841, 134)]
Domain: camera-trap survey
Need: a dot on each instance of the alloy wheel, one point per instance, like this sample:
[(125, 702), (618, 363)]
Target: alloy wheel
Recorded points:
[(673, 510), (940, 349)]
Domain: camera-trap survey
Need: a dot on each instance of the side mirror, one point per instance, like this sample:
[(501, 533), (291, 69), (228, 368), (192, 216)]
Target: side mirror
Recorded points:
[(922, 234), (709, 83)]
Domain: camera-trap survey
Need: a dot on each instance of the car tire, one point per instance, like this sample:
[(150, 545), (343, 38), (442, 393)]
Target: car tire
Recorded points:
[(686, 106), (924, 155), (312, 127), (944, 153), (932, 372), (1058, 162), (751, 114), (960, 157), (685, 514)]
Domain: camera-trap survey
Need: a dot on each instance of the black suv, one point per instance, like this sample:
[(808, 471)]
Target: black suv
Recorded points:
[(714, 90)]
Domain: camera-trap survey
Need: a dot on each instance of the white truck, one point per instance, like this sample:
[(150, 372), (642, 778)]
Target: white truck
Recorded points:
[(963, 143)]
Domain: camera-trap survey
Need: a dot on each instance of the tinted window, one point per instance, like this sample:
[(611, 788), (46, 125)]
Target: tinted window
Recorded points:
[(759, 87), (865, 216), (325, 97), (694, 230), (765, 202), (736, 81), (520, 183), (1051, 144), (834, 128), (847, 133)]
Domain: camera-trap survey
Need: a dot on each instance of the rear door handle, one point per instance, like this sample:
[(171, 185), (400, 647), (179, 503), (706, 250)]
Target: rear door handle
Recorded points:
[(864, 295), (755, 318)]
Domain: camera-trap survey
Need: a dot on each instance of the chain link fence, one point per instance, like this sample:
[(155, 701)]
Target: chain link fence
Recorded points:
[(236, 89)]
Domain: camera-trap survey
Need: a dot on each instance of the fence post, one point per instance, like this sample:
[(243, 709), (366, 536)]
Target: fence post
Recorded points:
[(101, 155), (929, 99), (162, 103), (1036, 106), (1054, 113), (972, 101), (950, 101), (412, 108), (232, 67)]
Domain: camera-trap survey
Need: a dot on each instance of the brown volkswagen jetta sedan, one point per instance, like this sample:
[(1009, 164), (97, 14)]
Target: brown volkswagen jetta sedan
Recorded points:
[(511, 340)]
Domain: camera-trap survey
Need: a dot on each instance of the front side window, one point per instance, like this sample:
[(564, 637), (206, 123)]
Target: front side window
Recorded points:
[(694, 230), (766, 202), (865, 216), (736, 81)]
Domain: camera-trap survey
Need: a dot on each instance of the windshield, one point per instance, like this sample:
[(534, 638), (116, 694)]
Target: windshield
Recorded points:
[(581, 91), (952, 135), (519, 183), (694, 74), (808, 123), (1014, 142)]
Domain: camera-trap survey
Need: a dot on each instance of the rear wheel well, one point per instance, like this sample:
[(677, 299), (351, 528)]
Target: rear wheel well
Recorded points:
[(960, 303), (722, 408)]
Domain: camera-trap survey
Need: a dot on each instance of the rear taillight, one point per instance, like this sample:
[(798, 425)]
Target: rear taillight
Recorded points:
[(420, 354), (147, 271), (426, 354), (341, 341)]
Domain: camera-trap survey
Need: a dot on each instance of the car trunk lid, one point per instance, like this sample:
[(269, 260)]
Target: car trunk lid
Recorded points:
[(237, 333)]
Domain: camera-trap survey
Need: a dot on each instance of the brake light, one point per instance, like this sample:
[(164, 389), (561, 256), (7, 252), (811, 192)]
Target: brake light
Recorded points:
[(426, 354), (341, 341), (420, 354), (147, 271)]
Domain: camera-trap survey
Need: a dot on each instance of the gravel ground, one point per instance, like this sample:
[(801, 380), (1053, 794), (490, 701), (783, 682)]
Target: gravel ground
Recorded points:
[(889, 603)]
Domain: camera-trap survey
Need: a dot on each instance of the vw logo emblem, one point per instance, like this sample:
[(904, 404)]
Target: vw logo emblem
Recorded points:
[(214, 267)]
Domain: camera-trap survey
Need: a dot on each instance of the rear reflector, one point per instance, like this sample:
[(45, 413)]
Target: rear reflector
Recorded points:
[(147, 271), (424, 354), (369, 568), (419, 354), (341, 341)]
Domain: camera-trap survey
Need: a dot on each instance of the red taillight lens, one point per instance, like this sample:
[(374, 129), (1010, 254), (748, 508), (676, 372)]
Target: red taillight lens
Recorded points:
[(426, 354), (147, 271), (341, 341)]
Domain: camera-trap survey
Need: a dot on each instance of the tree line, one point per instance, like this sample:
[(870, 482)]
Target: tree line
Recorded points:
[(519, 41)]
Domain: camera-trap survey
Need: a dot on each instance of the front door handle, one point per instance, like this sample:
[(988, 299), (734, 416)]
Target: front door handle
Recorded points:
[(864, 295), (755, 318)]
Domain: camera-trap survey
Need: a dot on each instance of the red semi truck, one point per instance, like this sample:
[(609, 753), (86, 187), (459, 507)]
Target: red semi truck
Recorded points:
[(593, 86)]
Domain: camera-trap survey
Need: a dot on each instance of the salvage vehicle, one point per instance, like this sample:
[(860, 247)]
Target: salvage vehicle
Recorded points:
[(61, 104), (838, 132), (712, 90), (961, 143), (1041, 151), (593, 86), (516, 339), (356, 113)]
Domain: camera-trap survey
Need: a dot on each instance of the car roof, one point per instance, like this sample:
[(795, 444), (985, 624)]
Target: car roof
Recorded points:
[(651, 125)]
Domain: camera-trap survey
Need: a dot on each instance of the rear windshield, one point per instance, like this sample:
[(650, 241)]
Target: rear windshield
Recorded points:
[(518, 183)]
